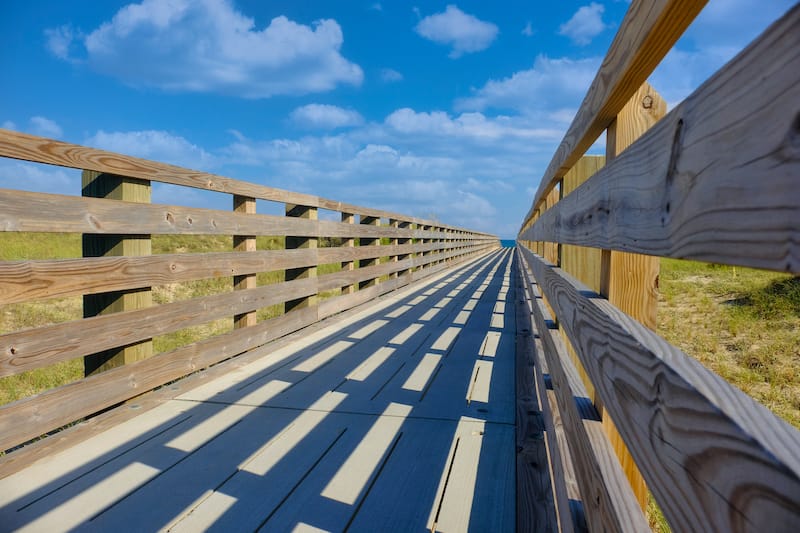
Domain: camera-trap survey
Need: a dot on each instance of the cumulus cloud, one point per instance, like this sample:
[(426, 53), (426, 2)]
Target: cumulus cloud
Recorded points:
[(38, 178), (325, 116), (46, 127), (209, 46), (156, 145), (586, 24), (389, 75), (465, 33), (548, 88), (42, 126), (475, 126)]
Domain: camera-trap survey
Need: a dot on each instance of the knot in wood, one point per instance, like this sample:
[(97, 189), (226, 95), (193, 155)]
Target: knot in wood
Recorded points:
[(647, 102)]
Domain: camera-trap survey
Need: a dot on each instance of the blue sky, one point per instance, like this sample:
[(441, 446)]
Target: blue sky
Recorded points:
[(435, 109)]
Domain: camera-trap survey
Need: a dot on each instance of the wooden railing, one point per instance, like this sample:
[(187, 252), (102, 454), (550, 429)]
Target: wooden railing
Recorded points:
[(717, 180), (117, 272)]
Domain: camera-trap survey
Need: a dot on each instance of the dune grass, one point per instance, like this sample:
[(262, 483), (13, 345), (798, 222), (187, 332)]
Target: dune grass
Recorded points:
[(743, 324)]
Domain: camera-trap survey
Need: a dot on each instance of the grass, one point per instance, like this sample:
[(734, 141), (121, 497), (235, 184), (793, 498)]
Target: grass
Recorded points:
[(743, 324), (26, 315)]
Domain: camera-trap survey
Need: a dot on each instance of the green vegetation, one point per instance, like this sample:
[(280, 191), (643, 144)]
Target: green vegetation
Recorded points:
[(16, 317), (743, 324)]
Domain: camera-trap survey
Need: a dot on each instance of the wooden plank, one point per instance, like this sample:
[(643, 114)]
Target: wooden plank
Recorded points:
[(648, 31), (308, 213), (122, 386), (713, 457), (98, 185), (34, 348), (711, 181), (542, 503), (25, 281), (244, 243), (34, 416), (551, 248), (369, 221), (611, 505), (351, 277), (578, 261), (349, 265), (26, 147), (630, 281)]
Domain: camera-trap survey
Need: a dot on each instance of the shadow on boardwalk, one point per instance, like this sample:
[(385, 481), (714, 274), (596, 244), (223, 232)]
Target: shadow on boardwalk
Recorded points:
[(400, 417)]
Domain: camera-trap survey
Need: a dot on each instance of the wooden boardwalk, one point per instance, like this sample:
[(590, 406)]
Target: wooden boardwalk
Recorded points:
[(399, 417)]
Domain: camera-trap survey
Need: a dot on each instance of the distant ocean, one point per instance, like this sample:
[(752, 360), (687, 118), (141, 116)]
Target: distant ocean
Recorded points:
[(508, 243)]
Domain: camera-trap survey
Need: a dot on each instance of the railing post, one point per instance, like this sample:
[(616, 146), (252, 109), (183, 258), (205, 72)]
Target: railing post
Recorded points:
[(369, 221), (394, 223), (348, 266), (99, 185), (244, 243), (404, 225), (630, 281), (310, 213)]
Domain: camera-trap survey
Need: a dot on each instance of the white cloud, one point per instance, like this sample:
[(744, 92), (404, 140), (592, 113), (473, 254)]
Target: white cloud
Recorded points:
[(34, 177), (465, 33), (474, 126), (527, 31), (59, 40), (325, 116), (156, 145), (389, 75), (544, 90), (45, 127), (586, 24), (209, 46)]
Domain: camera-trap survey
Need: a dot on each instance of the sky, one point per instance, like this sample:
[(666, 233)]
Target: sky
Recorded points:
[(443, 110)]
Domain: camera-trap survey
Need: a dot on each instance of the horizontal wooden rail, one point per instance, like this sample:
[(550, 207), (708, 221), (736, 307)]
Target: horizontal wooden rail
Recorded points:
[(711, 181), (714, 458), (31, 417), (611, 503), (648, 31), (40, 150), (43, 212), (27, 281)]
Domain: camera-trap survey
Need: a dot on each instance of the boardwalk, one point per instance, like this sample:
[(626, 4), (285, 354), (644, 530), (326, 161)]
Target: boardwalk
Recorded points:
[(398, 417)]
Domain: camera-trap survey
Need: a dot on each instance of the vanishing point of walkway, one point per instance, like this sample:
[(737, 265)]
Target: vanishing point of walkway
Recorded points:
[(399, 417)]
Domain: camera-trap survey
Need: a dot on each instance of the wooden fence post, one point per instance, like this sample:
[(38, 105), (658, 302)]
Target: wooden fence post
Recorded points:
[(348, 266), (242, 243), (394, 223), (405, 225), (369, 221), (630, 281), (99, 185), (300, 211)]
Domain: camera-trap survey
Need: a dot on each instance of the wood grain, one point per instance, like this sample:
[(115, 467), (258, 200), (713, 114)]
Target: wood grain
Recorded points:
[(542, 502), (648, 31), (34, 416), (608, 502), (98, 185), (244, 243), (713, 457), (41, 150), (712, 181), (51, 409), (34, 348)]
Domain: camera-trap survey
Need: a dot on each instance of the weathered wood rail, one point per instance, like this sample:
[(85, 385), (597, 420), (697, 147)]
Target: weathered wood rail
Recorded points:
[(120, 220), (624, 413), (718, 180)]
